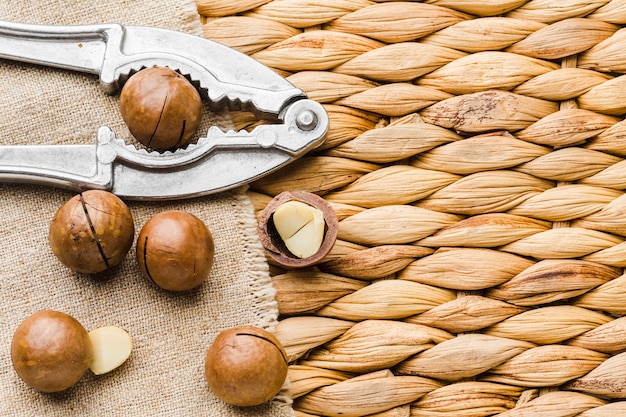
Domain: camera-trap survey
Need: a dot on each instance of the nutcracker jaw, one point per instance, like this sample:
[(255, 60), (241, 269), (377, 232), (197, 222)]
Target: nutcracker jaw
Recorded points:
[(224, 77)]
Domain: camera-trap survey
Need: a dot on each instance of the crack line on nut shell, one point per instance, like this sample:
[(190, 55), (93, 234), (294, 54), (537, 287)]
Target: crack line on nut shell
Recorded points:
[(267, 340), (93, 231), (149, 144), (145, 260), (182, 134)]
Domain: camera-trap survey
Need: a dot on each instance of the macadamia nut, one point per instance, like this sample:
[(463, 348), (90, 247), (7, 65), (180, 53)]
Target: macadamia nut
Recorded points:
[(161, 108), (51, 351), (92, 232), (245, 366), (111, 348), (297, 229), (175, 250), (301, 227)]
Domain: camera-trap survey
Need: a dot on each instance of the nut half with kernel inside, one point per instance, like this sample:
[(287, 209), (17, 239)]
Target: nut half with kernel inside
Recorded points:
[(298, 228)]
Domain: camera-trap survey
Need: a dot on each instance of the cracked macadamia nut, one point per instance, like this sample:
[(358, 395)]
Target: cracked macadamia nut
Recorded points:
[(51, 351), (175, 250), (161, 108), (92, 232), (297, 228), (245, 366)]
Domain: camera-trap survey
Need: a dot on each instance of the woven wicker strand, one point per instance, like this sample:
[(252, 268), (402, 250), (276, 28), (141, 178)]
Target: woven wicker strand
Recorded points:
[(475, 160)]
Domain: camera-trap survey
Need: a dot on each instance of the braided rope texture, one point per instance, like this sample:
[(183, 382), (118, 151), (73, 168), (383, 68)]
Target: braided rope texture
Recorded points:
[(476, 161)]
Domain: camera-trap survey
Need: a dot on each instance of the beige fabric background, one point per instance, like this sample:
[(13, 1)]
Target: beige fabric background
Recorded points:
[(164, 375)]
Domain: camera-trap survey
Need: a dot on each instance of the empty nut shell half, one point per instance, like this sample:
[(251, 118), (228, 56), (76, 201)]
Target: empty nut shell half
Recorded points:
[(274, 243)]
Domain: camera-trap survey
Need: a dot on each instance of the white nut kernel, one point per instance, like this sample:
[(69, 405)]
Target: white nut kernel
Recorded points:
[(111, 348), (301, 227)]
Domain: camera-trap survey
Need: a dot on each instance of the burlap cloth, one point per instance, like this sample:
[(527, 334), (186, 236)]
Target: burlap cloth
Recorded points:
[(171, 332)]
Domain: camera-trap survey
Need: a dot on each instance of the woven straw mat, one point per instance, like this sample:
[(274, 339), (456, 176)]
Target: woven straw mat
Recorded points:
[(475, 160)]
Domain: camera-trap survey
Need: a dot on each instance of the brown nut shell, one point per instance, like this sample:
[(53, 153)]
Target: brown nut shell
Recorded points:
[(245, 366), (161, 108), (272, 241), (175, 250), (91, 232), (51, 351)]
